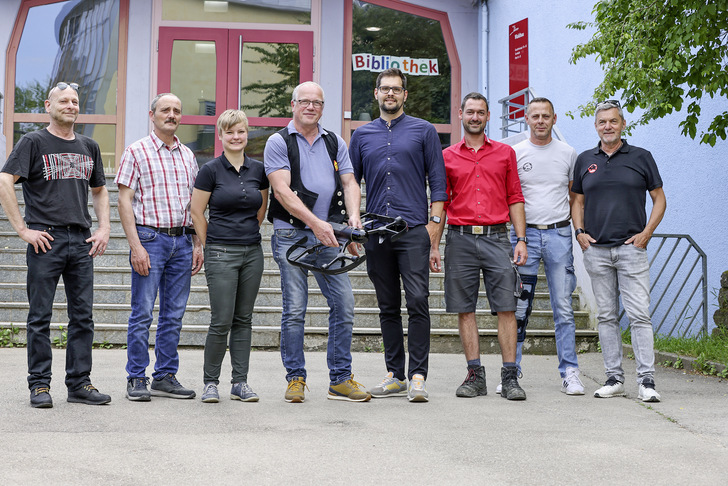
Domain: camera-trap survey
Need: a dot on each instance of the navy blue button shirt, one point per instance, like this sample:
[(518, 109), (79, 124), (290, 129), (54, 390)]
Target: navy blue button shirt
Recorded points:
[(234, 200), (397, 162)]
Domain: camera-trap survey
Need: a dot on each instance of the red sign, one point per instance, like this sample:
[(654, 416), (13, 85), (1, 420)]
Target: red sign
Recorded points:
[(518, 62)]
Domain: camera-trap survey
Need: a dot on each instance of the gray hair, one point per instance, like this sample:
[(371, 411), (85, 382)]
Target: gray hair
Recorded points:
[(294, 96), (608, 105), (159, 96)]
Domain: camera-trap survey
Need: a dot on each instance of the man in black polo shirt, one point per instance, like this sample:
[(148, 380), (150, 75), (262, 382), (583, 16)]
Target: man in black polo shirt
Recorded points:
[(610, 182)]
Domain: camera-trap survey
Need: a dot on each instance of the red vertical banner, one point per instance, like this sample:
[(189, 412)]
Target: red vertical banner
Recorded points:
[(518, 62)]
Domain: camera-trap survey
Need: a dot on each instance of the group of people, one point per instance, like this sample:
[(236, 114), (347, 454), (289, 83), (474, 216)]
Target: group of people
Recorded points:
[(178, 218)]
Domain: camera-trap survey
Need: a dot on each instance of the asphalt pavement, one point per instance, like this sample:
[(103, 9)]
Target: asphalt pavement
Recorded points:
[(550, 438)]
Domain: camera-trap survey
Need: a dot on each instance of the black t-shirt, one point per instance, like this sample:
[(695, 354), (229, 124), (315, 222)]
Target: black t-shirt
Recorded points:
[(56, 175), (234, 200), (615, 190)]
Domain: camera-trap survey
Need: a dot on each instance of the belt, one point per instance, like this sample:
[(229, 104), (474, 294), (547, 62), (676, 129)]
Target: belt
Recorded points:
[(560, 224), (176, 231), (479, 230), (43, 227)]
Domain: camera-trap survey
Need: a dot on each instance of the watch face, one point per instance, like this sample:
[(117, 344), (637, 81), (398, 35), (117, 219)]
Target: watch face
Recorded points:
[(436, 219)]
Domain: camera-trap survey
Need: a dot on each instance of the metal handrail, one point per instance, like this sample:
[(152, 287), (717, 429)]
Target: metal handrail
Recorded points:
[(516, 118), (674, 268)]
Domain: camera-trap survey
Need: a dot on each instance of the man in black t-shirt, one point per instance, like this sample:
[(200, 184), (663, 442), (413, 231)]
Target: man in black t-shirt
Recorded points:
[(608, 209), (56, 168)]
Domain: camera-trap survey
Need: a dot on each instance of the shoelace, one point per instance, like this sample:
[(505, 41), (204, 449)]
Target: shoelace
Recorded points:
[(140, 383), (173, 379), (89, 387), (210, 388), (356, 385), (297, 385), (471, 376), (418, 384), (43, 389), (387, 380)]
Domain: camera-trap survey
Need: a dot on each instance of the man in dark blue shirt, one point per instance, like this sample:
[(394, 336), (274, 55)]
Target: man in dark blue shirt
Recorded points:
[(398, 155)]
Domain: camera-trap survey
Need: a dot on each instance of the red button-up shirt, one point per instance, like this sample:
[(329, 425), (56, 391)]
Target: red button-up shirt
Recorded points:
[(481, 184)]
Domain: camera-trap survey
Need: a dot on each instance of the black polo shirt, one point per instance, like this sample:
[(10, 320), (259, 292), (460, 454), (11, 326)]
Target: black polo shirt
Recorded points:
[(234, 200), (615, 190)]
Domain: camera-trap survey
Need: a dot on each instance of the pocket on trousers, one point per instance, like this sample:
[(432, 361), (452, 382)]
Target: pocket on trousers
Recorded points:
[(564, 231), (146, 235)]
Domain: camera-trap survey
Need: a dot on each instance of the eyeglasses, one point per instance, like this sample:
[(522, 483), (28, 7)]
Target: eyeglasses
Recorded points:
[(63, 86), (315, 103), (393, 89), (614, 103)]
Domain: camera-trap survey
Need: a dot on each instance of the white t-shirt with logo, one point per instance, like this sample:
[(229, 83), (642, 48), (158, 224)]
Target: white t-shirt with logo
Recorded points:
[(545, 172)]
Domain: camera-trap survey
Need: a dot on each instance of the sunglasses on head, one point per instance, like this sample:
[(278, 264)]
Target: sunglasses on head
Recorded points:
[(62, 85), (610, 102)]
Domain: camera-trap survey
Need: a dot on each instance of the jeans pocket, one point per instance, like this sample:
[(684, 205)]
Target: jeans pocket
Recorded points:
[(146, 235), (564, 231), (287, 233)]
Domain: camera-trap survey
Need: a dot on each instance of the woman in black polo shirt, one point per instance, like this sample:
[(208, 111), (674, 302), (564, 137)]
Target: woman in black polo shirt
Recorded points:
[(236, 189)]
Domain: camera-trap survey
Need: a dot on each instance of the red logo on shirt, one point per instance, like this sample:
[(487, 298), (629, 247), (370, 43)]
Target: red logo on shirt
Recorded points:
[(592, 168)]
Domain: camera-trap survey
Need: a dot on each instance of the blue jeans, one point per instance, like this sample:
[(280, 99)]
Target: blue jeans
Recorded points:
[(68, 257), (170, 276), (622, 270), (554, 247), (233, 275), (294, 289)]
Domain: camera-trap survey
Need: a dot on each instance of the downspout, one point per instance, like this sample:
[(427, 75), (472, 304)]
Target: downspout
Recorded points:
[(484, 21)]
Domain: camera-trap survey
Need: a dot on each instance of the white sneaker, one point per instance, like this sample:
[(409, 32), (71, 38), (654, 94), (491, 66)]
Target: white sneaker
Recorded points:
[(499, 388), (648, 393), (417, 391), (572, 385), (612, 388)]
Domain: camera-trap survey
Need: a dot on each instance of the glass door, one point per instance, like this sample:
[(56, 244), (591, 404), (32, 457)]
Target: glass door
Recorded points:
[(212, 70)]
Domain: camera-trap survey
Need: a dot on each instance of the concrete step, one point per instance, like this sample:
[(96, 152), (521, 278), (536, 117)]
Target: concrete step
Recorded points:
[(363, 339)]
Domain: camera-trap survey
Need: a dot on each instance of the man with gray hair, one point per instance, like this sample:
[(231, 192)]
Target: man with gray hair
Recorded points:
[(608, 211), (155, 178), (313, 184)]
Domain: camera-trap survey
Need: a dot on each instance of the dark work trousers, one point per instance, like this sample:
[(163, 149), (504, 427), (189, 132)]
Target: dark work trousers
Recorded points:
[(68, 257), (409, 259)]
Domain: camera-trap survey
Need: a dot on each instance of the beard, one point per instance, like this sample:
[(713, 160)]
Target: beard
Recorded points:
[(474, 130), (397, 106)]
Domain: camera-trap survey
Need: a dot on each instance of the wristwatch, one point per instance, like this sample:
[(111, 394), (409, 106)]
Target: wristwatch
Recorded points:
[(579, 231), (435, 219), (523, 239)]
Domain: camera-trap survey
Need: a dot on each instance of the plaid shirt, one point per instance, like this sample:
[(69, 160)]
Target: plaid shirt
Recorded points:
[(162, 178)]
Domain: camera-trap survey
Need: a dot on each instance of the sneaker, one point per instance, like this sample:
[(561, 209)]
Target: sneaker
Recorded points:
[(474, 384), (416, 392), (40, 397), (612, 388), (572, 385), (136, 390), (647, 392), (499, 388), (349, 390), (209, 393), (89, 395), (168, 386), (390, 387), (510, 389), (295, 390), (242, 391)]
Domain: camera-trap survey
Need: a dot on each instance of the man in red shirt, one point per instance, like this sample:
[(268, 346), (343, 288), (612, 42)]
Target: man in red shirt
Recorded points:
[(484, 193)]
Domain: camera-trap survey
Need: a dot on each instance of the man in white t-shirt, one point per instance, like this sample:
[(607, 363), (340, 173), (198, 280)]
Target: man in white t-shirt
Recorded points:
[(546, 170)]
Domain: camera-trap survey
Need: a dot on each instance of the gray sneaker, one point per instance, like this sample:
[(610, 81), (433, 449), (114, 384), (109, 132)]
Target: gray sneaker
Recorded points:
[(168, 386), (137, 391), (390, 387), (416, 392), (242, 391), (209, 393)]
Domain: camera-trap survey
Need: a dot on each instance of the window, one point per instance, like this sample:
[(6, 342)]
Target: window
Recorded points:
[(250, 11)]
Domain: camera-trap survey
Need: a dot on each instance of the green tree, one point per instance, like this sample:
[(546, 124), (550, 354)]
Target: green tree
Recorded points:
[(658, 55), (283, 60), (30, 99)]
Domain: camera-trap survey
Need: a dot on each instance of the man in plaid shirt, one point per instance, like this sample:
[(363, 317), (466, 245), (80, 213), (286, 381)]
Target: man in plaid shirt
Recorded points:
[(155, 178)]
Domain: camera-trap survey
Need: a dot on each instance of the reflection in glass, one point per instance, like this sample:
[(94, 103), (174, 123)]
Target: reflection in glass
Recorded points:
[(268, 74), (73, 41), (257, 136), (193, 76), (200, 139), (253, 11), (383, 31)]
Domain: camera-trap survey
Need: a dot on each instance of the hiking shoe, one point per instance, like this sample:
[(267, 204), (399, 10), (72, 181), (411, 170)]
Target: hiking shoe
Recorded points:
[(89, 395), (416, 392), (242, 391), (647, 392), (295, 390), (209, 393), (612, 388), (474, 384), (349, 390), (390, 387), (572, 385), (136, 390), (510, 389), (168, 386), (40, 397)]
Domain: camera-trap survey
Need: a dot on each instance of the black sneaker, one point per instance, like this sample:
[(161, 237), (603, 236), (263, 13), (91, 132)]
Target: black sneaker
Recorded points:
[(474, 384), (510, 389), (168, 386), (136, 390), (40, 397), (89, 395)]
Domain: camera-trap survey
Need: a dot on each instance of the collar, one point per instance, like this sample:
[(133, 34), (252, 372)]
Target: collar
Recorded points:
[(159, 144), (227, 165), (292, 129), (624, 148), (461, 145), (394, 120)]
